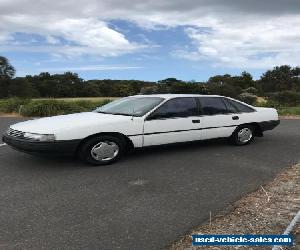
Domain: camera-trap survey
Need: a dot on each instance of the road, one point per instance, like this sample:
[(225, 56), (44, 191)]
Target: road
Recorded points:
[(145, 201)]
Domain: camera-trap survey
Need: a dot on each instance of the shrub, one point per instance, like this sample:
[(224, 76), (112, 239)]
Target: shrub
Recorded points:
[(50, 108), (285, 98), (247, 98), (12, 105), (224, 89), (271, 104), (27, 107), (251, 90), (91, 105), (55, 107), (148, 90), (289, 111)]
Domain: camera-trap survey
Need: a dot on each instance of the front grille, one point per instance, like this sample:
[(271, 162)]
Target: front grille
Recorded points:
[(15, 133)]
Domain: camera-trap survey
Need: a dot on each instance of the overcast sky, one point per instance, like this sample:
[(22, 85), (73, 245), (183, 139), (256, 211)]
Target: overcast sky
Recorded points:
[(150, 40)]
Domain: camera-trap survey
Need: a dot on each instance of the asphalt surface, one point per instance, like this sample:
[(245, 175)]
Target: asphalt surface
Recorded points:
[(145, 201)]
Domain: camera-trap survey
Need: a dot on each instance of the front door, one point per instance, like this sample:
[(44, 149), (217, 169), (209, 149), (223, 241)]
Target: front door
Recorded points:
[(176, 120)]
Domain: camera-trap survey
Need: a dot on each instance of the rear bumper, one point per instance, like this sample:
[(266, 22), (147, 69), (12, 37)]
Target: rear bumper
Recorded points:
[(269, 125), (56, 147)]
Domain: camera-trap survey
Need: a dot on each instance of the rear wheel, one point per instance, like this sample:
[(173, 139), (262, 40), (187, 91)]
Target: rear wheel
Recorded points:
[(243, 135), (102, 150)]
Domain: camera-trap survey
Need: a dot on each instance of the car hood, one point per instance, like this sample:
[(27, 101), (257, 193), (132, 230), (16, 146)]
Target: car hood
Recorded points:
[(50, 125)]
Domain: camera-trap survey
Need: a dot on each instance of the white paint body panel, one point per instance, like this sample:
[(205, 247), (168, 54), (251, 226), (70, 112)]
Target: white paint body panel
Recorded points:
[(140, 131), (215, 126), (82, 125), (165, 125)]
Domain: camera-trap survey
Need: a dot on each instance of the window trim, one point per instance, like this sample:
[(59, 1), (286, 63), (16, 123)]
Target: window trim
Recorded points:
[(178, 117)]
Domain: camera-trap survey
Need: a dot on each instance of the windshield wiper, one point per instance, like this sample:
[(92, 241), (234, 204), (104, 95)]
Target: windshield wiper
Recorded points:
[(121, 114), (101, 112)]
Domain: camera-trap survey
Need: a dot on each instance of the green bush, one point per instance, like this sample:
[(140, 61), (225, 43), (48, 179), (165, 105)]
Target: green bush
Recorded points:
[(251, 90), (50, 108), (247, 98), (12, 105), (27, 107), (91, 105), (267, 104), (285, 98), (54, 107), (282, 110), (289, 111)]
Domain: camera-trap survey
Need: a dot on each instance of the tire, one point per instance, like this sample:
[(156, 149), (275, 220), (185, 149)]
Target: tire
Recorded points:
[(243, 135), (102, 150)]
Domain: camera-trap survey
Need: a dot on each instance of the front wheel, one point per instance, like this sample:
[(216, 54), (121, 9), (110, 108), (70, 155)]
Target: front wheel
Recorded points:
[(102, 150), (242, 135)]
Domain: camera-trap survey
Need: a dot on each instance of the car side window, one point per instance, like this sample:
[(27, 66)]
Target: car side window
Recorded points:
[(241, 108), (212, 105), (230, 107), (175, 108)]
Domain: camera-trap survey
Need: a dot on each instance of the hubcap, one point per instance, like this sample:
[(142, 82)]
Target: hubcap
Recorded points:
[(244, 135), (105, 151)]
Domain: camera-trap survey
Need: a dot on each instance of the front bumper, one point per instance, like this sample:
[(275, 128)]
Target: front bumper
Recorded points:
[(56, 147), (269, 125)]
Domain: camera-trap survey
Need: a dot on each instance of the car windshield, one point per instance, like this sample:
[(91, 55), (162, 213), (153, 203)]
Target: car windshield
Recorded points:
[(136, 106)]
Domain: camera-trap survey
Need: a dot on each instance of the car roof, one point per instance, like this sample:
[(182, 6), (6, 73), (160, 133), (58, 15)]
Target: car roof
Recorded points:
[(170, 96)]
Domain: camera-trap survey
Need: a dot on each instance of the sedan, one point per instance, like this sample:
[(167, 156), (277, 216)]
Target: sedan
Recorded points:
[(102, 136)]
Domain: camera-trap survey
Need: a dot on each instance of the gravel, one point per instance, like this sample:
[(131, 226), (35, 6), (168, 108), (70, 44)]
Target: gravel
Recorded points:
[(269, 210)]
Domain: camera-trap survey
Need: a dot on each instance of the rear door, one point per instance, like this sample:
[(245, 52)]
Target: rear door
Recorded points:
[(176, 120), (244, 113), (218, 120)]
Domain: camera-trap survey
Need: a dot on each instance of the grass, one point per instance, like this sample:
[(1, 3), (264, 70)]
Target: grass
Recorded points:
[(289, 110)]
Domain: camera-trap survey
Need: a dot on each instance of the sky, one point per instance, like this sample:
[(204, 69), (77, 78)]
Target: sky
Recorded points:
[(149, 39)]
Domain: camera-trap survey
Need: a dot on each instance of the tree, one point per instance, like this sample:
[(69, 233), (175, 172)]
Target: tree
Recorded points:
[(243, 81), (272, 83), (20, 87), (280, 78), (7, 71)]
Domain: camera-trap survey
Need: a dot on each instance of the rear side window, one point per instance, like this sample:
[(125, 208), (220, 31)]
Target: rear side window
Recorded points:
[(212, 105), (230, 107), (241, 108), (177, 107)]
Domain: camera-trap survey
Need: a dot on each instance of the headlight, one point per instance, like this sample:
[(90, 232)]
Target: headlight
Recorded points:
[(39, 137)]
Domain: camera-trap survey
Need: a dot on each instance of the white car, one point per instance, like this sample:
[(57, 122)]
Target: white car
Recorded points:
[(101, 137)]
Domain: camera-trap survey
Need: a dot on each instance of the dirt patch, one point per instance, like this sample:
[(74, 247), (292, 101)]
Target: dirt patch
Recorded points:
[(9, 115), (269, 210)]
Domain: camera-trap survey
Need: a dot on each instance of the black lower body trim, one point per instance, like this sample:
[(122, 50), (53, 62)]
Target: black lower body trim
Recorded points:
[(56, 147), (268, 125)]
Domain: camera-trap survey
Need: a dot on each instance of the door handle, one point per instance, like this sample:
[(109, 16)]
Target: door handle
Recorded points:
[(235, 117), (196, 121)]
